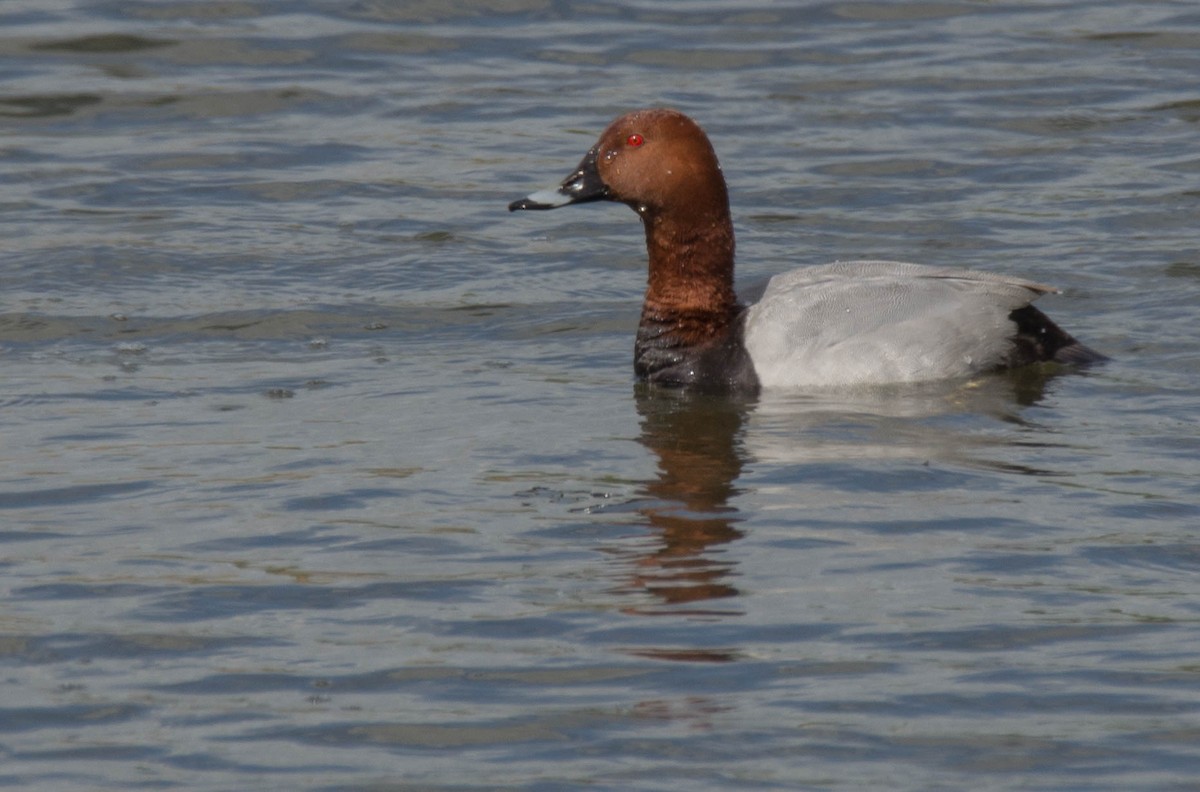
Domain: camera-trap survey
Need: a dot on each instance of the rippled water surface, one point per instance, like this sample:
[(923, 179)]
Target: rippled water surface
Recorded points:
[(320, 470)]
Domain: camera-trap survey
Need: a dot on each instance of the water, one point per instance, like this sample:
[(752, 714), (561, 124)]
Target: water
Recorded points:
[(322, 471)]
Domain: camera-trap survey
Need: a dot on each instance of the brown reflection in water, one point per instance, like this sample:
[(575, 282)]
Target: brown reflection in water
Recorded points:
[(697, 441), (688, 655)]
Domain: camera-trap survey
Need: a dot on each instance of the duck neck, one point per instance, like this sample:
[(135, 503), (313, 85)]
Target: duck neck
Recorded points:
[(690, 285), (690, 304)]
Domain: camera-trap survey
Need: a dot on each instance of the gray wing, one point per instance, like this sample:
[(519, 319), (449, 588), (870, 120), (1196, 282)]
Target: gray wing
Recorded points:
[(871, 322)]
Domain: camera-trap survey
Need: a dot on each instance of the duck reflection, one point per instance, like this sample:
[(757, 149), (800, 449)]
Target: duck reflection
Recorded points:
[(697, 440), (702, 442)]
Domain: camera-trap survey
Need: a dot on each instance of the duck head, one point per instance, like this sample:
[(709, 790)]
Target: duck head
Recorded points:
[(654, 160)]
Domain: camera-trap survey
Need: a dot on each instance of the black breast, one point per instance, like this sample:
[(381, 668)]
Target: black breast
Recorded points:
[(662, 356)]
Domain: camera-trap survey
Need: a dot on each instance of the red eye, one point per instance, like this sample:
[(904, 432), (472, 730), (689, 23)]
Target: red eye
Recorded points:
[(635, 140)]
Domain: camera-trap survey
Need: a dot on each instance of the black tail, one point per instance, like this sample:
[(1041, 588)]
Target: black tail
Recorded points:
[(1040, 339)]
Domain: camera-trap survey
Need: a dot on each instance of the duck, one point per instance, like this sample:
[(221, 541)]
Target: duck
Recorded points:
[(844, 324)]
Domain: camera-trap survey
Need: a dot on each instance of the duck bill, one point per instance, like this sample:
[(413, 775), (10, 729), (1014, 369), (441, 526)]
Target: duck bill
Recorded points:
[(582, 186)]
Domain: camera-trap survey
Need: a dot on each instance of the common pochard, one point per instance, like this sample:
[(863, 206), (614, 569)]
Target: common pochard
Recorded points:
[(842, 324)]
